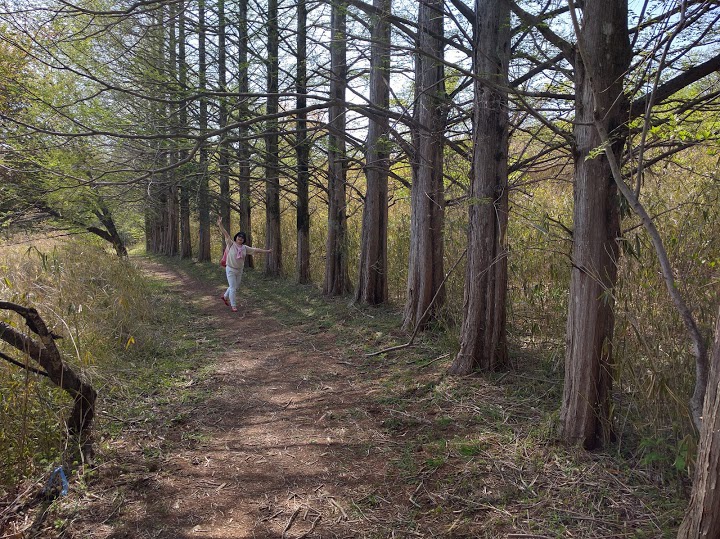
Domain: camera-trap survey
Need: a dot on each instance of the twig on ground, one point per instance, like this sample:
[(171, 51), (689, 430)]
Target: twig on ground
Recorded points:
[(276, 514), (422, 318), (339, 508), (290, 522), (312, 528), (430, 362)]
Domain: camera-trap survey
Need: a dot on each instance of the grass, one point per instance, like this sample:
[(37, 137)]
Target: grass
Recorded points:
[(467, 457), (128, 334)]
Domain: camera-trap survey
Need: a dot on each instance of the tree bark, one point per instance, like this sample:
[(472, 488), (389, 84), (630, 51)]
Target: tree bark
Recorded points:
[(224, 145), (243, 148), (372, 288), (185, 185), (203, 187), (425, 265), (337, 279), (172, 209), (483, 343), (273, 260), (584, 415), (702, 518), (302, 149), (104, 214)]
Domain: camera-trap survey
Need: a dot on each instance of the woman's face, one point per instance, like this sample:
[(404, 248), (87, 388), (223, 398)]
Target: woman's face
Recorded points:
[(239, 240)]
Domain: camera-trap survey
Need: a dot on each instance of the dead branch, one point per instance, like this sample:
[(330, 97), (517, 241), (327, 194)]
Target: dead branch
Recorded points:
[(419, 323), (45, 352)]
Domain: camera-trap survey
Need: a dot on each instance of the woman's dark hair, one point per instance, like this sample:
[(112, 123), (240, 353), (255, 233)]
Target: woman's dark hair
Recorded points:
[(240, 235)]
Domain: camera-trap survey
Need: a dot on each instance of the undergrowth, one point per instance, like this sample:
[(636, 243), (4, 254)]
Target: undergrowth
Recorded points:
[(123, 331), (474, 457)]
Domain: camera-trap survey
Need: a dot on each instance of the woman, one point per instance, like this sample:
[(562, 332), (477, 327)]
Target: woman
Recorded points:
[(237, 251)]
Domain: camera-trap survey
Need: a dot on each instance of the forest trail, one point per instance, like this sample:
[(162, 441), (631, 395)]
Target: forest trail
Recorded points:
[(289, 432), (264, 456)]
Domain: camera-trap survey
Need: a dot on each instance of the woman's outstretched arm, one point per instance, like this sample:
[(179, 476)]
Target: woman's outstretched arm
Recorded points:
[(225, 233)]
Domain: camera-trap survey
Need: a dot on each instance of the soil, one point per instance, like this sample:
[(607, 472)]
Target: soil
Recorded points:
[(264, 456)]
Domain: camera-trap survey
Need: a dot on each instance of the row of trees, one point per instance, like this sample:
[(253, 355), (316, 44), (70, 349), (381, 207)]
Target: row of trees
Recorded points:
[(188, 107)]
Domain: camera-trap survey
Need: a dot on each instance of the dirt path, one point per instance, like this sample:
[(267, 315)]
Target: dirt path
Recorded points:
[(266, 456)]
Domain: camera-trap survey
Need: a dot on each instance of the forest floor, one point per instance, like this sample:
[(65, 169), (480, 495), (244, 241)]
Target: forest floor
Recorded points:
[(290, 431)]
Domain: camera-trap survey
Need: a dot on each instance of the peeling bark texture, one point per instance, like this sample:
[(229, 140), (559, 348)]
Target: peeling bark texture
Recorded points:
[(702, 518), (47, 355), (483, 343), (337, 277), (425, 264), (302, 151), (185, 186), (223, 172), (372, 286), (584, 415), (243, 147), (273, 260), (203, 253)]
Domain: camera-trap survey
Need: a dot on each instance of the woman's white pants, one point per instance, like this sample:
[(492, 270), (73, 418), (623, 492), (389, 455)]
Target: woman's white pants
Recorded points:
[(234, 276)]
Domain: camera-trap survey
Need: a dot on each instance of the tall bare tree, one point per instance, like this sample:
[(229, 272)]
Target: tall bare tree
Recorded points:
[(603, 35), (337, 279), (203, 254), (273, 265), (224, 145), (302, 150), (185, 185), (425, 265), (243, 146), (483, 343), (372, 285)]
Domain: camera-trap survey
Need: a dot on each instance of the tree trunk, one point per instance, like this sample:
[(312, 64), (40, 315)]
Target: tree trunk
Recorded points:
[(584, 415), (372, 286), (203, 187), (185, 185), (243, 148), (172, 209), (483, 343), (302, 149), (224, 145), (171, 230), (152, 214), (425, 265), (185, 231), (273, 260), (105, 216), (702, 518), (337, 279)]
